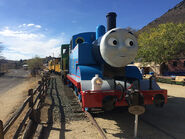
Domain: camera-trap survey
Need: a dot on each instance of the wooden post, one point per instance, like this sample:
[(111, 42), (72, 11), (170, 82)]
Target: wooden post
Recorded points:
[(40, 86), (1, 130), (30, 93), (35, 115), (39, 82), (43, 85), (46, 84)]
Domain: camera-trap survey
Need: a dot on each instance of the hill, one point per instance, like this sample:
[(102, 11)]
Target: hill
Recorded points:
[(174, 15)]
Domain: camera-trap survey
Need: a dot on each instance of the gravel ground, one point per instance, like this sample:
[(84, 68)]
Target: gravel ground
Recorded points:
[(62, 116), (164, 123)]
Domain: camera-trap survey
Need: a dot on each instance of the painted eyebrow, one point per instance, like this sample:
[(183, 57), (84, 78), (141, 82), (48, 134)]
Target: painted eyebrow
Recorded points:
[(130, 33)]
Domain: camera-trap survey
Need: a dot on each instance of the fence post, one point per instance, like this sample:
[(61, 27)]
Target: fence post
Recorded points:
[(39, 82), (30, 93), (43, 84), (1, 130), (35, 115)]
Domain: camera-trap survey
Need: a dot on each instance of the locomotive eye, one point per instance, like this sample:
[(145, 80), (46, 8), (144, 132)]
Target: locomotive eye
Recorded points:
[(129, 42), (112, 42)]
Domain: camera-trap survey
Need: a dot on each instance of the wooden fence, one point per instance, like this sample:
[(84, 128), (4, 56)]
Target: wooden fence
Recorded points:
[(34, 101)]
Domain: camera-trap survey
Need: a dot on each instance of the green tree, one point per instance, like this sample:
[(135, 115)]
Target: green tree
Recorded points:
[(35, 64), (161, 44)]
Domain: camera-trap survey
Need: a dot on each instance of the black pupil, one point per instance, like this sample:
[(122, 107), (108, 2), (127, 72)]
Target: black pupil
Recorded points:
[(131, 43), (114, 42)]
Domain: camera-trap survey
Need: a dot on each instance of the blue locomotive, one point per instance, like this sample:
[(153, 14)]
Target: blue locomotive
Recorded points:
[(100, 73)]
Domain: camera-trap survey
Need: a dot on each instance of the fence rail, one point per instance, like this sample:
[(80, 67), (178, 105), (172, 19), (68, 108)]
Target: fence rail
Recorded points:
[(33, 109)]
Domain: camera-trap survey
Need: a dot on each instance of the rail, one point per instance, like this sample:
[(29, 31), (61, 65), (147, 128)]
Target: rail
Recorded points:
[(34, 100), (102, 133), (93, 121)]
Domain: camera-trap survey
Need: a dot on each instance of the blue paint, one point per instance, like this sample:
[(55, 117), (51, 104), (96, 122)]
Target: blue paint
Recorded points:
[(76, 91), (96, 52), (80, 55), (100, 31), (86, 109), (88, 72), (88, 37), (80, 97), (69, 84), (85, 56), (133, 72)]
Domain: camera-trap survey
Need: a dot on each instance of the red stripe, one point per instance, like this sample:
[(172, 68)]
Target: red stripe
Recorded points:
[(77, 84)]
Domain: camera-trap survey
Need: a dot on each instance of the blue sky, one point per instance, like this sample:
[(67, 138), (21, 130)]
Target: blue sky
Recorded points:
[(39, 27)]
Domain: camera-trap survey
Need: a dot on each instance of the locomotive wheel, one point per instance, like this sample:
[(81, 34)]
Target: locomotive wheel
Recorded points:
[(108, 103), (159, 100)]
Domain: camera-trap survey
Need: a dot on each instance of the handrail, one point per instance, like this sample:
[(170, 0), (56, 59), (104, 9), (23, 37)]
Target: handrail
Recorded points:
[(9, 123)]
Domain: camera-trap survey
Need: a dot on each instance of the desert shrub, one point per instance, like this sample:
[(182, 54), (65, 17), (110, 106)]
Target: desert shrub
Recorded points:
[(35, 65)]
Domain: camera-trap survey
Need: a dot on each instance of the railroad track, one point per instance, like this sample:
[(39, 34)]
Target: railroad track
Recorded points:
[(93, 121), (102, 133), (90, 117)]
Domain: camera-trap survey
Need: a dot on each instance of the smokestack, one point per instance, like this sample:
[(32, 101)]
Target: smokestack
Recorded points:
[(111, 20)]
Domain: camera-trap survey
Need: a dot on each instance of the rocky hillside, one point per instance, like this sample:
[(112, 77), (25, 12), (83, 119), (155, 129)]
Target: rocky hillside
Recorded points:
[(175, 15)]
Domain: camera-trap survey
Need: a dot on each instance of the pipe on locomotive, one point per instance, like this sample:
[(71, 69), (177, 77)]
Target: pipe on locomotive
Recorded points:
[(111, 23), (111, 20)]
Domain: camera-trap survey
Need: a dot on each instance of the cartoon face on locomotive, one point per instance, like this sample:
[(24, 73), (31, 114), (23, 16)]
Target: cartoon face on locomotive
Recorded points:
[(99, 70)]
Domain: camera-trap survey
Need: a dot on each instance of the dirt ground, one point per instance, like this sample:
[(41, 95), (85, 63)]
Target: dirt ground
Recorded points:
[(174, 90), (164, 123), (14, 97), (62, 116), (13, 78), (153, 124)]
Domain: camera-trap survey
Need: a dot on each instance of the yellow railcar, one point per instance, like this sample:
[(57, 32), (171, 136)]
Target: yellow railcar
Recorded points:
[(54, 65), (57, 68), (51, 66), (57, 65)]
